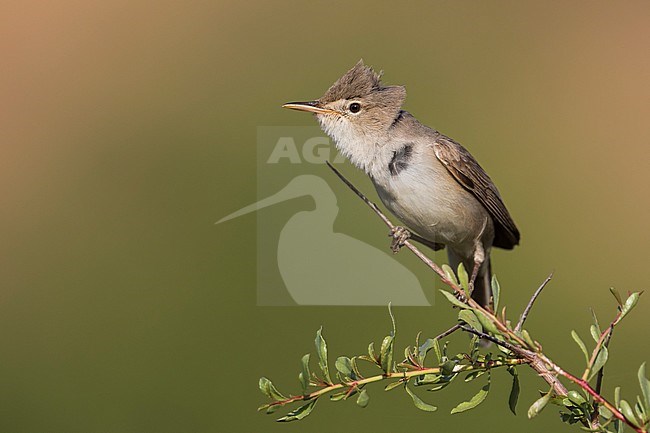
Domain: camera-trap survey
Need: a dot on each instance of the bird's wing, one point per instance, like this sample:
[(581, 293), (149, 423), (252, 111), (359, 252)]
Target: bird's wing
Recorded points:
[(462, 165)]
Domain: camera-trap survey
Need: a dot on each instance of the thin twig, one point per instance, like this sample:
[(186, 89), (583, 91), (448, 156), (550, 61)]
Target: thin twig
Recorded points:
[(524, 315), (510, 347), (373, 206), (448, 332)]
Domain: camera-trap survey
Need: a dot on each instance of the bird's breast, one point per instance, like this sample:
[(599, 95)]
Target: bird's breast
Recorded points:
[(419, 190)]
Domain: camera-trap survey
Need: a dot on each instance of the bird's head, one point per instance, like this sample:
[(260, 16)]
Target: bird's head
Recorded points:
[(356, 106)]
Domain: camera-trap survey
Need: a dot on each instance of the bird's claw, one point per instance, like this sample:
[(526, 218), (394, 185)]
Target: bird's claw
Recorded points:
[(400, 235)]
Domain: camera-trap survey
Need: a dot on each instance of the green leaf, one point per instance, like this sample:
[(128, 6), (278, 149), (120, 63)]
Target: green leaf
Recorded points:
[(447, 368), (453, 299), (305, 374), (386, 351), (470, 318), (299, 413), (344, 366), (474, 352), (539, 405), (501, 348), (514, 391), (392, 319), (438, 387), (617, 396), (474, 401), (393, 385), (474, 374), (641, 410), (487, 323), (321, 350), (427, 379), (424, 349), (419, 403), (386, 354), (599, 362), (267, 387), (339, 396), (496, 292), (580, 344), (371, 351), (630, 302), (449, 273), (616, 295), (363, 398), (529, 341), (593, 316), (595, 334), (576, 398), (626, 410), (437, 351), (443, 351), (355, 368), (604, 412), (367, 358), (645, 385), (463, 278)]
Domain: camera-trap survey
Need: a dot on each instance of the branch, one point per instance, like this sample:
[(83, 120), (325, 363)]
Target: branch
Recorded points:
[(597, 397), (524, 315), (401, 376), (493, 339), (449, 331), (539, 362)]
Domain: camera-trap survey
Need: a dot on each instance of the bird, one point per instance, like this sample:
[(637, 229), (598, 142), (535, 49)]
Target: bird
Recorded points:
[(429, 181)]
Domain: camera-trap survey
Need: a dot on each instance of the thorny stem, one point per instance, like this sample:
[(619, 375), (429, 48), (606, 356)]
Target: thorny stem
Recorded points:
[(402, 376), (539, 362)]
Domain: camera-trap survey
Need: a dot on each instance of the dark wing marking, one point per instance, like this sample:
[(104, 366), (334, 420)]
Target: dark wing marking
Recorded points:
[(462, 165)]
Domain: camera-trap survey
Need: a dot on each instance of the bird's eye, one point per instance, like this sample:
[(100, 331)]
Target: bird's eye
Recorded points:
[(355, 107)]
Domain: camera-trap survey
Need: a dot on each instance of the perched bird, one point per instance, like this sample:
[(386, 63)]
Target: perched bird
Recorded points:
[(428, 180)]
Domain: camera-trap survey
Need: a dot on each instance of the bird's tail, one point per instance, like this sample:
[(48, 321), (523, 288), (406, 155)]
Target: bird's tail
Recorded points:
[(482, 293)]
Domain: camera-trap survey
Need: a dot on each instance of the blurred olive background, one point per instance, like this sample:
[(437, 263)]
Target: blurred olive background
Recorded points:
[(129, 128)]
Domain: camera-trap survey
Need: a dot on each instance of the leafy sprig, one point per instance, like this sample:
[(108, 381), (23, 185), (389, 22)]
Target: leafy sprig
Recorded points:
[(411, 372), (585, 405)]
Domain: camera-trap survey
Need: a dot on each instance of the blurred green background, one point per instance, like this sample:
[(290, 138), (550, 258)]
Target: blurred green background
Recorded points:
[(128, 129)]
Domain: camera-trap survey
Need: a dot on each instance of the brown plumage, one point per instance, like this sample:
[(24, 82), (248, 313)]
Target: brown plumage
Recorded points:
[(467, 171)]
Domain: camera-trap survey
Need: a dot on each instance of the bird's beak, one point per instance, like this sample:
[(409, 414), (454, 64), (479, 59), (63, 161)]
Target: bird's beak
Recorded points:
[(310, 106)]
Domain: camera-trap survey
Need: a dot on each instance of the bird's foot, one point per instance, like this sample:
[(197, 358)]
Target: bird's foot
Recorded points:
[(400, 235)]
